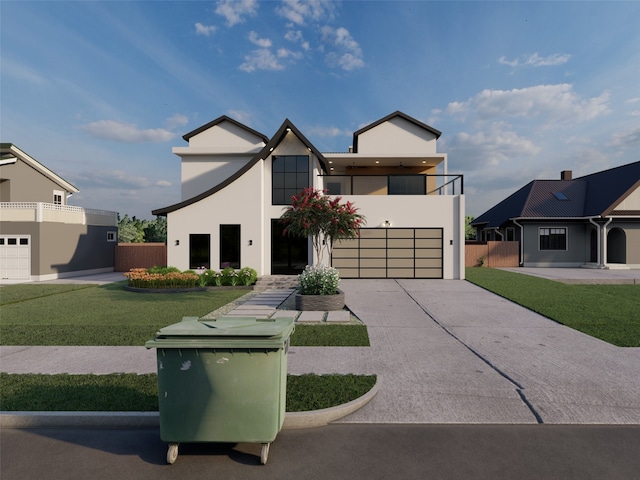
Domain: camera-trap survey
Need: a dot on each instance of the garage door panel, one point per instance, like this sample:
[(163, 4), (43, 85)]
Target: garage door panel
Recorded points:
[(373, 262), (400, 262), (373, 273), (428, 243), (429, 233), (428, 262), (400, 243), (401, 272), (345, 263), (389, 253), (366, 243), (428, 253)]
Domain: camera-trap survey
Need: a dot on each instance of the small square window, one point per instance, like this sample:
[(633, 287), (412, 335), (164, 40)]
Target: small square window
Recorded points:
[(24, 241), (112, 237)]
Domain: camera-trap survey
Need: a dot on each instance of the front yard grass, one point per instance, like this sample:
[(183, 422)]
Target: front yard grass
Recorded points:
[(608, 312), (87, 315), (139, 393)]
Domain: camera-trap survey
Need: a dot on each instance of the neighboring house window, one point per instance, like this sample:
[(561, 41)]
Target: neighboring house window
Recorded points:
[(290, 175), (553, 238), (229, 246), (199, 250), (510, 234), (112, 237), (57, 197), (407, 185)]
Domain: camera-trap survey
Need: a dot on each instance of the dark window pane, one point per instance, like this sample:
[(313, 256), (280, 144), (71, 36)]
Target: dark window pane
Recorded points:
[(12, 241), (278, 180), (407, 185), (290, 176), (24, 241), (199, 250), (229, 246)]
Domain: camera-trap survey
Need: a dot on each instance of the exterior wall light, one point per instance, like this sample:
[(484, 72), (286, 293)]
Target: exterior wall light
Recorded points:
[(386, 224)]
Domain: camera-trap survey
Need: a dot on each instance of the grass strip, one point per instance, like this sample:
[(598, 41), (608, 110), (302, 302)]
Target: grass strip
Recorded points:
[(97, 314), (330, 336), (607, 312), (139, 393)]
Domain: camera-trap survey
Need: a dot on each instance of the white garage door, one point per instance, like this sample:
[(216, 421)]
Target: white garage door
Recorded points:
[(390, 253), (15, 257)]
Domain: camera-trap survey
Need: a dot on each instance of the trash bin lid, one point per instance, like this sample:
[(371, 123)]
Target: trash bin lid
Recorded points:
[(235, 332)]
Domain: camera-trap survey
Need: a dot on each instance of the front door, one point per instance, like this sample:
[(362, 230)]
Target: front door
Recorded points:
[(289, 255)]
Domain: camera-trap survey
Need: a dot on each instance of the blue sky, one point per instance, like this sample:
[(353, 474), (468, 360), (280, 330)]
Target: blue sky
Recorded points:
[(100, 92)]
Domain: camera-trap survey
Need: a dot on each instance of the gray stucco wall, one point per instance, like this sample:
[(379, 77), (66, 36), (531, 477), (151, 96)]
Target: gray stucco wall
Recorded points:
[(61, 248), (22, 183), (577, 252)]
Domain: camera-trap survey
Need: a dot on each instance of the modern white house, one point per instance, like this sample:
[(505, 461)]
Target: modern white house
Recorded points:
[(236, 183)]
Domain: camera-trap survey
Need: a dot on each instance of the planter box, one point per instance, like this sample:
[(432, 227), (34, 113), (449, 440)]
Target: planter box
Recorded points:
[(320, 303)]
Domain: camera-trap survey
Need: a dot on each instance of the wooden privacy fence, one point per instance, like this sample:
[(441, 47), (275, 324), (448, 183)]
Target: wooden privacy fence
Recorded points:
[(493, 254), (140, 255)]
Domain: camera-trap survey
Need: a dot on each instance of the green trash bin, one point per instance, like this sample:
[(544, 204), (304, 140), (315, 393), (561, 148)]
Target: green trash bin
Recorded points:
[(222, 380)]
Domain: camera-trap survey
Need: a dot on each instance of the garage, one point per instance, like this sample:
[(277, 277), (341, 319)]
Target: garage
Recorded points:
[(390, 253), (15, 257)]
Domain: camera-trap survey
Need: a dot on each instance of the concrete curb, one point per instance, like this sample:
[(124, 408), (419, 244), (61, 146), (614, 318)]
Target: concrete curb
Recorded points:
[(293, 420)]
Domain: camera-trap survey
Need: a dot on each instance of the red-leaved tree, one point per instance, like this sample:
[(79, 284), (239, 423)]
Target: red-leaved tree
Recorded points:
[(316, 215)]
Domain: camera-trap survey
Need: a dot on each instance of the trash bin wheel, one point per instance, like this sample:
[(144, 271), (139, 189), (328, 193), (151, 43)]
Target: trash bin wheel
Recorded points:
[(264, 453), (172, 453)]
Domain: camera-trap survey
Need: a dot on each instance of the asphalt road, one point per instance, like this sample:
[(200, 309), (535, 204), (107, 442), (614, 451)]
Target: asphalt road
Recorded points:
[(333, 452)]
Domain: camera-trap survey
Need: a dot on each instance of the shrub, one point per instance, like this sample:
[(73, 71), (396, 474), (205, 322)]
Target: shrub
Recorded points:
[(319, 280), (142, 278), (248, 276), (161, 270), (230, 277)]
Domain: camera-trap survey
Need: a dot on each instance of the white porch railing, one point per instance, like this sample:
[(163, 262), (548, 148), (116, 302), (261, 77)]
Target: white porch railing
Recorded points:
[(49, 212)]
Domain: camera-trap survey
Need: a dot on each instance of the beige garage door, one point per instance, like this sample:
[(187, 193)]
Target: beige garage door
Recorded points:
[(390, 253), (15, 257)]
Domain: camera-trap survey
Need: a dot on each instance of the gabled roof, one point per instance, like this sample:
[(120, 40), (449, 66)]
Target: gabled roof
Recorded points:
[(391, 116), (592, 195), (218, 121), (9, 150), (277, 138)]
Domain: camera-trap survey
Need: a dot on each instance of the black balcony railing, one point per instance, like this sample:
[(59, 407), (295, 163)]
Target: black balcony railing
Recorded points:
[(393, 184)]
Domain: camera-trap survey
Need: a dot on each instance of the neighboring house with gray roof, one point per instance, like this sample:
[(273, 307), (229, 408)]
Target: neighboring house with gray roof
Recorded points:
[(41, 237), (591, 221), (236, 183)]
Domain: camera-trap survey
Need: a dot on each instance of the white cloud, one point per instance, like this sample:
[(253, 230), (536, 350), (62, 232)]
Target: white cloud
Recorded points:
[(327, 132), (241, 116), (535, 60), (128, 133), (163, 183), (348, 55), (491, 147), (285, 53), (300, 11), (261, 59), (630, 138), (177, 120), (260, 42), (205, 30), (295, 36), (234, 11), (557, 103)]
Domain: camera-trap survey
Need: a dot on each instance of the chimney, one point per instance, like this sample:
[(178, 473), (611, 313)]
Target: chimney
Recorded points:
[(565, 175)]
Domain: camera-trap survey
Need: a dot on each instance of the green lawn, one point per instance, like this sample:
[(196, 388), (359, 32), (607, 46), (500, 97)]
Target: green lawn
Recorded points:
[(139, 393), (110, 315), (608, 312), (96, 314)]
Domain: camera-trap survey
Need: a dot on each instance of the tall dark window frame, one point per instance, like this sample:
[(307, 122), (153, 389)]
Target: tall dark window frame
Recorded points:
[(230, 246), (553, 238), (289, 176), (199, 250)]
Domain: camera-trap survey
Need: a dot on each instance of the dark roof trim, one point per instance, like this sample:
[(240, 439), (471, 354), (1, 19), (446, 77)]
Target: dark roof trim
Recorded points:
[(172, 208), (397, 113), (218, 121), (280, 134), (260, 156)]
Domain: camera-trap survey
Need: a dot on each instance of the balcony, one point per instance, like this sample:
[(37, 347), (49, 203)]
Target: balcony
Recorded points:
[(397, 184), (49, 212)]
